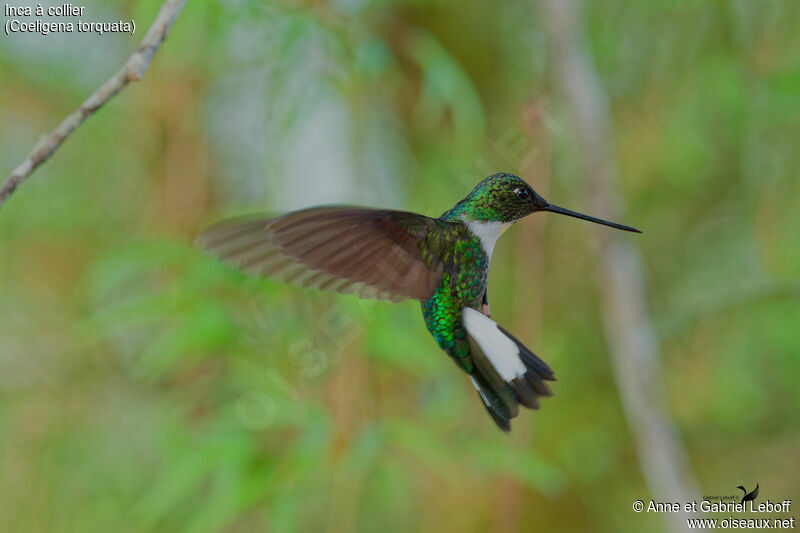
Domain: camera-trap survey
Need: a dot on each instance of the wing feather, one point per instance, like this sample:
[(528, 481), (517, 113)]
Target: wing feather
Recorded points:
[(372, 253)]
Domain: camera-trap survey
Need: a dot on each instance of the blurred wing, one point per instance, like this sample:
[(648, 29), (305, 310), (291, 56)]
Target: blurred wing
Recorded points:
[(372, 253)]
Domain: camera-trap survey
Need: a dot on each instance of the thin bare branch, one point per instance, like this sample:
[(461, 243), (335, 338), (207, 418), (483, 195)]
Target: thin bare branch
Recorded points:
[(133, 70)]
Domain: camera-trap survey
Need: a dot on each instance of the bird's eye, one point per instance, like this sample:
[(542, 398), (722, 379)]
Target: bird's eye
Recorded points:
[(522, 193)]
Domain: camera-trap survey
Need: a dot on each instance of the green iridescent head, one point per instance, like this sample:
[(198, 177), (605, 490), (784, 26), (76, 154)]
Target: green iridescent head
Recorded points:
[(499, 198), (507, 198)]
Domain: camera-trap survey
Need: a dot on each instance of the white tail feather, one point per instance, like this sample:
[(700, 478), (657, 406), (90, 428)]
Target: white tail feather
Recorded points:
[(501, 351)]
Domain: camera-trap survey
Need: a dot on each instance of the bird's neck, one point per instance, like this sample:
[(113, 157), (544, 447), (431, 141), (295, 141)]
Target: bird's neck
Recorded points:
[(487, 231)]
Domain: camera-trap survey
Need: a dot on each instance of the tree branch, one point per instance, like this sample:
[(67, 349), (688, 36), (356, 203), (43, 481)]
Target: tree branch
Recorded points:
[(132, 70), (628, 325)]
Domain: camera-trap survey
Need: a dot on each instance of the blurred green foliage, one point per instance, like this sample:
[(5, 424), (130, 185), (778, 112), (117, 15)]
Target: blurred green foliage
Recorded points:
[(144, 387)]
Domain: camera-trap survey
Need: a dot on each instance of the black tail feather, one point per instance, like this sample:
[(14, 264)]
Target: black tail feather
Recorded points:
[(494, 404), (531, 360), (525, 393)]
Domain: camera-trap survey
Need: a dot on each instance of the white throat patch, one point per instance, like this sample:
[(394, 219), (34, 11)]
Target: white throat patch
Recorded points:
[(487, 232)]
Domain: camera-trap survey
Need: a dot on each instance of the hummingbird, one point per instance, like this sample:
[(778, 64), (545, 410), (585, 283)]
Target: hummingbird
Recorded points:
[(396, 255)]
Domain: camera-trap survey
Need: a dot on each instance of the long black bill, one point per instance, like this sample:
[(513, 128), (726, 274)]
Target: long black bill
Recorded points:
[(562, 211)]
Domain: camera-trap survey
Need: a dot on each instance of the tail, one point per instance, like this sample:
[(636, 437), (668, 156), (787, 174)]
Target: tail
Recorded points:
[(506, 373)]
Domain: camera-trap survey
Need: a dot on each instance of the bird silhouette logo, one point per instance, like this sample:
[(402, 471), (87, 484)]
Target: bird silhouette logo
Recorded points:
[(748, 496)]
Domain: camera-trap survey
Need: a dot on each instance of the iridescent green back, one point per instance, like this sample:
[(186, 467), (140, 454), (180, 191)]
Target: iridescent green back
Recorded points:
[(463, 285)]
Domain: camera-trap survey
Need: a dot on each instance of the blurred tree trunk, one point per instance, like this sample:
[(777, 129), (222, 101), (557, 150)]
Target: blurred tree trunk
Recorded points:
[(629, 330)]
